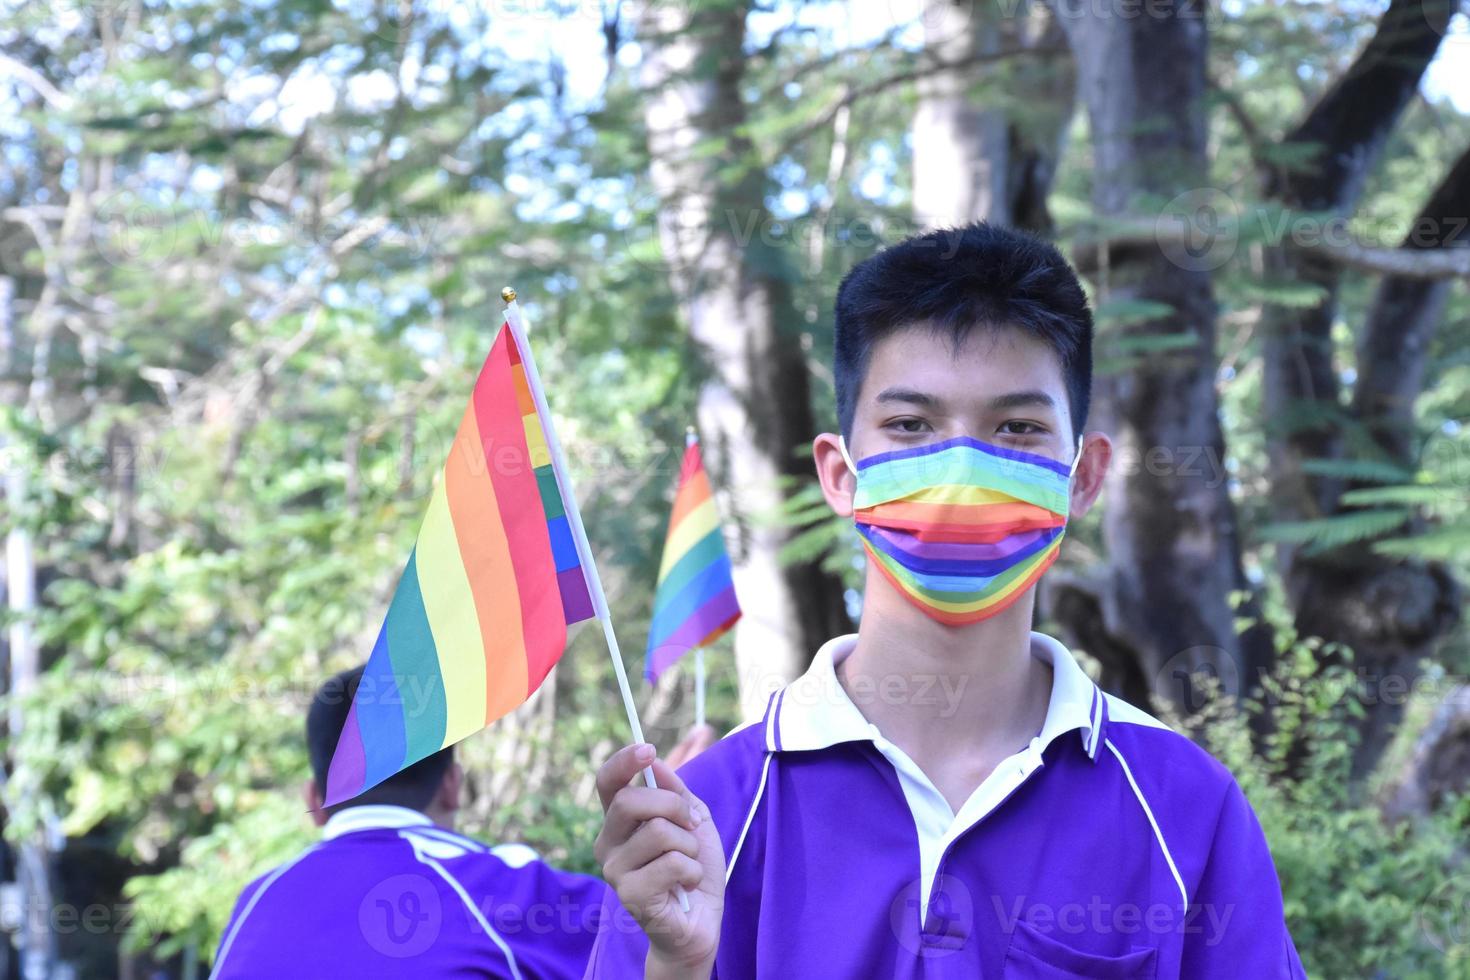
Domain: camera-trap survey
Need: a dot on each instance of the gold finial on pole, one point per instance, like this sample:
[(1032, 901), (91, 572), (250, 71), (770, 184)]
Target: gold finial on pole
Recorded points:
[(508, 294)]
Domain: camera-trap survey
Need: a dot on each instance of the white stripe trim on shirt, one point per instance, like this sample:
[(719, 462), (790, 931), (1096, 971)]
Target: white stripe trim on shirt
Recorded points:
[(760, 791), (1159, 834), (510, 958), (224, 949)]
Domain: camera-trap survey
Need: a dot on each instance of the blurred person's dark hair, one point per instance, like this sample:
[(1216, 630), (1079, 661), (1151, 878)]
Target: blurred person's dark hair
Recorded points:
[(957, 280), (414, 787)]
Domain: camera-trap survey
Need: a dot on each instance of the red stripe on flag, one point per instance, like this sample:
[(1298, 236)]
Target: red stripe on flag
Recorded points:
[(498, 415)]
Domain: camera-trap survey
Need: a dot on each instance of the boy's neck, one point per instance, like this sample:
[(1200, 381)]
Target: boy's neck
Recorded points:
[(971, 695)]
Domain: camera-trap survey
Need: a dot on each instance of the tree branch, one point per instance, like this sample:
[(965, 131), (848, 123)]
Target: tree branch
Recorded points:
[(39, 83), (1407, 262), (1351, 120), (824, 119)]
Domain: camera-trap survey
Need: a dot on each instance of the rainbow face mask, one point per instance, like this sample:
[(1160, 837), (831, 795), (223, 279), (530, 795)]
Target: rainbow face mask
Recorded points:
[(961, 528)]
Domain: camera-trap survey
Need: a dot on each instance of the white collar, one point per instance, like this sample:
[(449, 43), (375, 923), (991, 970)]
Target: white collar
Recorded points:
[(372, 816), (815, 711)]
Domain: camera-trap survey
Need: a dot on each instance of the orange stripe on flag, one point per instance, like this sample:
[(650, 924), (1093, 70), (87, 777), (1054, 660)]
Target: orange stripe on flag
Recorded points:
[(487, 561), (693, 493), (523, 390)]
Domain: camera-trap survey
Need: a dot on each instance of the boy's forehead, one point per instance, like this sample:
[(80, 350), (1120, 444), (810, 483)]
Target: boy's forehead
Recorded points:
[(978, 364)]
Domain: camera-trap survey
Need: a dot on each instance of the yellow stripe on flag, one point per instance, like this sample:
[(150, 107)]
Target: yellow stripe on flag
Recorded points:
[(450, 607), (696, 524), (536, 442)]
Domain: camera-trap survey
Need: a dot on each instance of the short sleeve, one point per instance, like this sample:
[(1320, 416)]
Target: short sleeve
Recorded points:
[(1236, 926)]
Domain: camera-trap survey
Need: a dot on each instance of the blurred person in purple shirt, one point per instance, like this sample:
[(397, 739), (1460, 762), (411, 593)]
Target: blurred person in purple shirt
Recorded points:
[(946, 793), (391, 890)]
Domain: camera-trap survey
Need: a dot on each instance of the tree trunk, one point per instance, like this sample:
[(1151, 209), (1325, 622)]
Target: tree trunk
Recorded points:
[(734, 286), (1435, 774), (34, 937), (1169, 524), (1394, 348), (1389, 611), (975, 160), (1343, 134)]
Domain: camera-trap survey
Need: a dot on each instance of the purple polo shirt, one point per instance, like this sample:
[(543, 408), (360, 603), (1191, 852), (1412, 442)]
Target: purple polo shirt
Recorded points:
[(385, 893), (1107, 847)]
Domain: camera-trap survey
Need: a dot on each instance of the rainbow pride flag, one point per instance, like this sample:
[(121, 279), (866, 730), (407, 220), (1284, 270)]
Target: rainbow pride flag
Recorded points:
[(695, 600), (481, 612)]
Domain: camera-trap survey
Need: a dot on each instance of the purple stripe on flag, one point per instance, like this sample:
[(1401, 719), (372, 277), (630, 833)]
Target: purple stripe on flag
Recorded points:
[(348, 769), (706, 619), (576, 603)]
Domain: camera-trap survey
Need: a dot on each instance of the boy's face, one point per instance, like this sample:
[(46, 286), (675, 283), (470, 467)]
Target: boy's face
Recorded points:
[(1001, 387)]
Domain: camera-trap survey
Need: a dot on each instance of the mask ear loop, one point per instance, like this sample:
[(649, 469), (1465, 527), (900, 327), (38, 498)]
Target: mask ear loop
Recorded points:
[(1076, 458), (842, 446)]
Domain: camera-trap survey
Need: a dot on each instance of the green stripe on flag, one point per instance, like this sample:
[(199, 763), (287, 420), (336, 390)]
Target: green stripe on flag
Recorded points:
[(551, 501)]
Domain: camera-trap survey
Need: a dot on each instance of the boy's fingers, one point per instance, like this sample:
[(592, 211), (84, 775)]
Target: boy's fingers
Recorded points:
[(669, 780), (620, 768), (635, 804), (649, 842), (654, 882)]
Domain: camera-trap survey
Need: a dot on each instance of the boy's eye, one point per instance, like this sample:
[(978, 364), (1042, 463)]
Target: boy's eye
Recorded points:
[(1018, 427), (908, 426)]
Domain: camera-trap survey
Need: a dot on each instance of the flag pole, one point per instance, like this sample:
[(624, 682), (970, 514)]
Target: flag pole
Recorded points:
[(516, 322), (692, 439)]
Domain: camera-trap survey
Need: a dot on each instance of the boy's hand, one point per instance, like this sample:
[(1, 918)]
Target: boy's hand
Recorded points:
[(651, 841)]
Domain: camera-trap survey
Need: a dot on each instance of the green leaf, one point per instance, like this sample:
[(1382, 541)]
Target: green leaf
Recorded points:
[(1365, 470), (1327, 533), (1123, 312), (1290, 293), (1413, 495), (1444, 544)]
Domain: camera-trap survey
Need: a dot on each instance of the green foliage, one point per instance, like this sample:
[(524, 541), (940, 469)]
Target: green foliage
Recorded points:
[(1364, 897), (1326, 533), (823, 535)]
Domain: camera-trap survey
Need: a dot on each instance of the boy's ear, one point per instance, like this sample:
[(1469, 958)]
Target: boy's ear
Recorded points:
[(1092, 468), (450, 789), (313, 798), (838, 482)]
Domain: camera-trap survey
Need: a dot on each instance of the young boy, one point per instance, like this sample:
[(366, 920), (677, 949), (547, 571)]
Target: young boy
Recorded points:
[(946, 793), (391, 891)]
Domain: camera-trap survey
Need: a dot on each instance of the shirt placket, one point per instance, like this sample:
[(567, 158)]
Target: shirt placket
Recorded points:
[(943, 924)]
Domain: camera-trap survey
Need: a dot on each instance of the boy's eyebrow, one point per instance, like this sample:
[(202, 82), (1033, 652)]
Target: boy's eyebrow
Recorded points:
[(1023, 399), (1032, 398), (909, 396)]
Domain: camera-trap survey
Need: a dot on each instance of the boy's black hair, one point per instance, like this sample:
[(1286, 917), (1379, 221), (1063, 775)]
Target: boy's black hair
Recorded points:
[(414, 787), (956, 280)]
